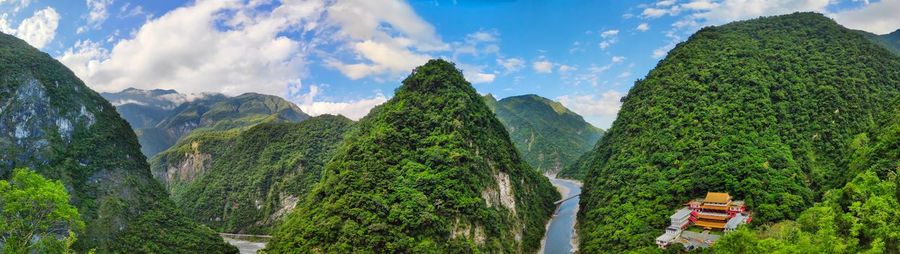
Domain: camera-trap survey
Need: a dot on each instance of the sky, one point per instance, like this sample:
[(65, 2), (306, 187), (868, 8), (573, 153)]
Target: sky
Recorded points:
[(346, 56)]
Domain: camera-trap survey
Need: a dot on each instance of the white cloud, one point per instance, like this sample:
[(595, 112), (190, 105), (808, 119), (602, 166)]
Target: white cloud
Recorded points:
[(880, 17), (511, 65), (665, 3), (643, 27), (662, 51), (699, 5), (565, 69), (353, 109), (17, 5), (653, 12), (599, 110), (475, 77), (618, 59), (388, 37), (542, 66), (609, 33), (38, 30), (200, 48), (731, 10), (608, 37), (97, 14), (624, 74)]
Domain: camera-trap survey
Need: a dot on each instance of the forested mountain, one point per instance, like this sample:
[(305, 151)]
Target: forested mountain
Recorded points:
[(54, 124), (890, 41), (430, 171), (765, 109), (161, 117), (549, 136), (143, 108), (860, 217), (261, 174)]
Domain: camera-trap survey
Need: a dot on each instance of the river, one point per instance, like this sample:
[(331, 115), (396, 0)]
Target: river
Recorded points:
[(243, 245), (560, 237)]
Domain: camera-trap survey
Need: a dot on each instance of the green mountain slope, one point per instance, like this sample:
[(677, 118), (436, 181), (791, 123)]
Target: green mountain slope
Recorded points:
[(861, 217), (764, 109), (430, 171), (162, 117), (890, 41), (261, 174), (549, 136), (54, 124)]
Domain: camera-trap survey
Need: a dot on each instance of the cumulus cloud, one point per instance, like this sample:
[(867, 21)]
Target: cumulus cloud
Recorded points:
[(618, 59), (38, 30), (643, 27), (17, 5), (879, 17), (353, 109), (542, 66), (196, 49), (388, 36), (97, 14), (608, 37), (511, 65), (599, 110)]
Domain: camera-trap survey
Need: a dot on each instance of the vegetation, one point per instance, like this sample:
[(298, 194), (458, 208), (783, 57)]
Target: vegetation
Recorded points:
[(766, 109), (430, 171), (32, 207), (261, 174), (54, 124), (862, 216), (549, 136), (161, 124)]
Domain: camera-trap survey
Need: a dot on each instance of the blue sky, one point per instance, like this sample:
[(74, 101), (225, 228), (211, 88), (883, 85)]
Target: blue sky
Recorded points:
[(346, 56)]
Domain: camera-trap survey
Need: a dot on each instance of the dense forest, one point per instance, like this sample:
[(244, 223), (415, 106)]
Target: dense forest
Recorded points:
[(55, 125), (861, 216), (548, 135), (766, 109), (430, 171), (261, 174)]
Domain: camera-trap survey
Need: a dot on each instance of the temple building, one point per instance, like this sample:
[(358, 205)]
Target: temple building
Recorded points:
[(717, 211)]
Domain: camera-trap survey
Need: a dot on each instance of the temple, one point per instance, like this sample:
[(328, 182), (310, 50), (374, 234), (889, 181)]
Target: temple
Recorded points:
[(715, 212)]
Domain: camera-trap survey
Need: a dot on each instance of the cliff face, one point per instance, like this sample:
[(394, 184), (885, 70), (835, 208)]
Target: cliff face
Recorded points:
[(54, 124)]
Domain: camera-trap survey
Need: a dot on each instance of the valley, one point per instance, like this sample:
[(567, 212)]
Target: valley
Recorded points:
[(353, 126)]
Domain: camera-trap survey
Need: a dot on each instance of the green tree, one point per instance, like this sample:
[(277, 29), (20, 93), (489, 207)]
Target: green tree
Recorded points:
[(36, 215)]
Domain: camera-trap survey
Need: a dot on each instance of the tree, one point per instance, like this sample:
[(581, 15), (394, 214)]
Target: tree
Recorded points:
[(36, 215)]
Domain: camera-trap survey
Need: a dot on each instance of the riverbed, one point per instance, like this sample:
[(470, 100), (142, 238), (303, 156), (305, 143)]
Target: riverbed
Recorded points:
[(244, 246), (560, 237)]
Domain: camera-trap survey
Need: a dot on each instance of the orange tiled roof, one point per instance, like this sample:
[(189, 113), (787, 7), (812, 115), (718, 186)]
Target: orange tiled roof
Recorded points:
[(717, 197)]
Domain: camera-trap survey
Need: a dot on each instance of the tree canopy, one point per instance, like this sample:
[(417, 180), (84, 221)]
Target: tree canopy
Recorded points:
[(765, 109)]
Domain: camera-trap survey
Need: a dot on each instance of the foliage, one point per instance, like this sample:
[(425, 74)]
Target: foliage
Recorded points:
[(423, 173), (54, 124), (549, 136), (861, 217), (211, 112), (260, 174), (32, 207), (764, 109)]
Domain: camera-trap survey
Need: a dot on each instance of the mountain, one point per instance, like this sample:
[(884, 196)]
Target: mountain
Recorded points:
[(261, 174), (430, 171), (161, 117), (765, 109), (54, 124), (549, 136), (860, 217), (143, 108), (890, 41)]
